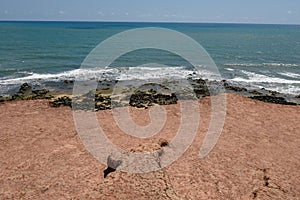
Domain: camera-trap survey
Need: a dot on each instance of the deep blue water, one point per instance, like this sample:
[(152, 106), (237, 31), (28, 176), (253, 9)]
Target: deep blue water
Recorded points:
[(264, 56)]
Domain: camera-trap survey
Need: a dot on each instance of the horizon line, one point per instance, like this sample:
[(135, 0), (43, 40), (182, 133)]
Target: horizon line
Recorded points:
[(116, 21)]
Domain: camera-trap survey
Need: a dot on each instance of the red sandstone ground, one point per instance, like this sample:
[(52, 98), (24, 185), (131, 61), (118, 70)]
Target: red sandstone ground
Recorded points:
[(256, 157)]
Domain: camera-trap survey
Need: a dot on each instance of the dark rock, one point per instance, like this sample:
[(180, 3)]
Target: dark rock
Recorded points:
[(200, 88), (163, 143), (62, 101), (273, 93), (68, 81), (202, 92), (233, 88), (26, 93), (2, 99), (41, 94), (272, 99), (107, 171), (16, 97), (144, 99), (25, 89), (102, 102), (298, 96), (112, 165), (256, 93), (200, 81), (164, 99), (84, 102)]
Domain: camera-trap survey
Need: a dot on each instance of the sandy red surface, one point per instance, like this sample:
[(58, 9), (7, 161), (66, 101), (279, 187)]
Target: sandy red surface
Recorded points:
[(256, 157)]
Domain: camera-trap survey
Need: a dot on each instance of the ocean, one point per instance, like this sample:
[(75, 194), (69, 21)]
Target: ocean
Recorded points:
[(247, 55)]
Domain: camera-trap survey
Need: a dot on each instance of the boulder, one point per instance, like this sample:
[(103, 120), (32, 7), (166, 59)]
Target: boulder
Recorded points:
[(272, 99), (233, 88), (144, 99), (25, 89), (62, 101)]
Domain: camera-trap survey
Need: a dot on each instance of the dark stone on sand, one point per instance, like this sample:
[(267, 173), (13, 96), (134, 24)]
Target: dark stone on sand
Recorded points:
[(112, 165), (163, 143), (272, 99)]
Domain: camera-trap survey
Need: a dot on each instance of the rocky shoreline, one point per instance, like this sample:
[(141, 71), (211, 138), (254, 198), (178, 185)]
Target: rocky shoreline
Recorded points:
[(145, 97)]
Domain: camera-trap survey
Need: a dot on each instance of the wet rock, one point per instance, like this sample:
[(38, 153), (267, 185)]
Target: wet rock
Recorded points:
[(233, 88), (200, 88), (165, 99), (41, 94), (201, 92), (102, 102), (85, 102), (272, 99), (62, 101), (2, 99), (25, 89), (254, 92), (26, 93), (273, 93), (144, 99), (68, 81)]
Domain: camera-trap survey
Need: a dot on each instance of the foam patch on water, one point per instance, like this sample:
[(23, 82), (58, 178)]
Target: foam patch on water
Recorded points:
[(289, 74)]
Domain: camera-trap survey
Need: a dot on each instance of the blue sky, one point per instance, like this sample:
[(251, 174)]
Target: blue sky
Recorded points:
[(246, 11)]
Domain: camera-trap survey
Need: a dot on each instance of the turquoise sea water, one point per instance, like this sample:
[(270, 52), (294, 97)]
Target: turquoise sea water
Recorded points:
[(254, 56)]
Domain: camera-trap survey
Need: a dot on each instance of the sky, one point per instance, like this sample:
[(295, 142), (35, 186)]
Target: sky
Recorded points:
[(220, 11)]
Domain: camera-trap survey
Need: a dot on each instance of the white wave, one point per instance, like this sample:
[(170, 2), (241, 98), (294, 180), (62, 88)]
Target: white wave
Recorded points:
[(262, 64), (129, 73), (260, 78), (80, 73), (270, 83), (284, 89), (230, 69), (289, 74), (242, 64)]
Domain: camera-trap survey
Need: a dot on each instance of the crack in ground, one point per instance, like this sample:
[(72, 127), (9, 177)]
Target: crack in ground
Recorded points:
[(169, 186), (267, 184)]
